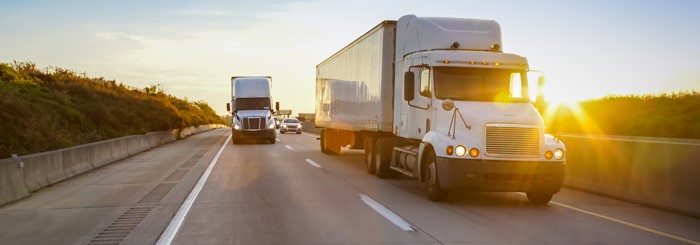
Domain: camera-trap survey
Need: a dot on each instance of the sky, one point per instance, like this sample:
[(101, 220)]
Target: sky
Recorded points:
[(587, 49)]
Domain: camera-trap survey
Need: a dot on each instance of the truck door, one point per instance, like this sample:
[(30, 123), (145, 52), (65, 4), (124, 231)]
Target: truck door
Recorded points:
[(419, 116)]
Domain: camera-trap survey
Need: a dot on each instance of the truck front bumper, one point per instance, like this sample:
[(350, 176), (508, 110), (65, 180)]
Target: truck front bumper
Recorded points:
[(490, 175), (242, 135)]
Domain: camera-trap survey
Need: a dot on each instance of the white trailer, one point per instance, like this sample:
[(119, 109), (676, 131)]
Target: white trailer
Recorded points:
[(251, 108), (437, 99)]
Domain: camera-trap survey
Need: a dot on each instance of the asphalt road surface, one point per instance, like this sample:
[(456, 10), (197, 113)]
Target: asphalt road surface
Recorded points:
[(291, 193)]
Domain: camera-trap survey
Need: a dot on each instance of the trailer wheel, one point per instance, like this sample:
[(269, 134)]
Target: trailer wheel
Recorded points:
[(329, 145), (369, 155), (323, 142), (435, 192), (539, 197)]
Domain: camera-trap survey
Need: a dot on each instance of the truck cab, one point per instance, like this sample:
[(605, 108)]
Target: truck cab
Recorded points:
[(251, 108), (469, 104)]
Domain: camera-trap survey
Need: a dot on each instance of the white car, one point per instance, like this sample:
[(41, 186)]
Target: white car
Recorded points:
[(290, 125)]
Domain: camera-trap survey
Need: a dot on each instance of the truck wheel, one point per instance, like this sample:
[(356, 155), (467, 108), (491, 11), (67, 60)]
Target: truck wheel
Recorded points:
[(322, 141), (329, 145), (369, 155), (435, 192), (382, 159), (539, 197)]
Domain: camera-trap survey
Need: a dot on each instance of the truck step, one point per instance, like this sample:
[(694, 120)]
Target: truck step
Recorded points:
[(403, 171), (413, 153)]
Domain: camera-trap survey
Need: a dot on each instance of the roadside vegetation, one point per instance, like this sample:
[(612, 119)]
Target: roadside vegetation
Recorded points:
[(57, 108), (674, 115)]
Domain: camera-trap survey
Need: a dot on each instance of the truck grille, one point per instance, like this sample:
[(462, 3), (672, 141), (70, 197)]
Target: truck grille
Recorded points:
[(512, 141), (253, 123)]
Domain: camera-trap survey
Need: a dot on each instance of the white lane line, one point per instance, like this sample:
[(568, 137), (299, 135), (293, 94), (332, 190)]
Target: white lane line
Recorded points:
[(313, 163), (644, 228), (171, 231), (289, 147), (388, 214)]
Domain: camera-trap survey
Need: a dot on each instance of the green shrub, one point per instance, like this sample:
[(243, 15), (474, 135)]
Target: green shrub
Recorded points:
[(674, 115), (57, 108)]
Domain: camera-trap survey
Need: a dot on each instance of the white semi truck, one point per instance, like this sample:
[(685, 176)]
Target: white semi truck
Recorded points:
[(438, 100), (251, 108)]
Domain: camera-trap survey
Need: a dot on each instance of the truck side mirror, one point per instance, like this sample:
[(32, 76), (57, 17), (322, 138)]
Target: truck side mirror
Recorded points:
[(277, 106), (228, 107), (408, 85)]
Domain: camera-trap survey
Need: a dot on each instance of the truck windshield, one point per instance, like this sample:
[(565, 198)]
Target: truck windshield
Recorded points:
[(253, 104), (479, 84)]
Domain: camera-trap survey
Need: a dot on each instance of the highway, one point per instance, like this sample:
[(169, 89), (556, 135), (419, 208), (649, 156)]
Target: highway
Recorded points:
[(291, 193)]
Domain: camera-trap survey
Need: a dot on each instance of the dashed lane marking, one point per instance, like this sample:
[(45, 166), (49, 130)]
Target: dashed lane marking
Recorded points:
[(388, 214), (312, 163)]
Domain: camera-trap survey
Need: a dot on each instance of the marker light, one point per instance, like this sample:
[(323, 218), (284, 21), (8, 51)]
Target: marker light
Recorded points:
[(449, 150), (497, 64), (461, 150), (446, 61), (548, 155), (559, 154), (473, 152)]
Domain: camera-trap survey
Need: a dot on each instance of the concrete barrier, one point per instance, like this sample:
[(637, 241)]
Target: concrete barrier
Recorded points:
[(154, 139), (663, 173), (12, 185), (133, 144), (101, 153), (47, 168), (76, 160), (145, 143), (120, 148), (43, 169)]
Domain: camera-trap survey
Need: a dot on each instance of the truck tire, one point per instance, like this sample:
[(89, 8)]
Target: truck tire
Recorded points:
[(435, 192), (369, 155), (382, 159), (328, 144), (322, 141), (539, 197)]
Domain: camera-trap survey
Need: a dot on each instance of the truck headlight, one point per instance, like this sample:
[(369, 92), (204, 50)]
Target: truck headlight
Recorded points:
[(236, 126), (460, 150), (271, 126), (558, 154)]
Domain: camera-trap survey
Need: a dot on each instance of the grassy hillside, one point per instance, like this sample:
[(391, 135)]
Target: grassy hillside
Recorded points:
[(666, 115), (57, 108)]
